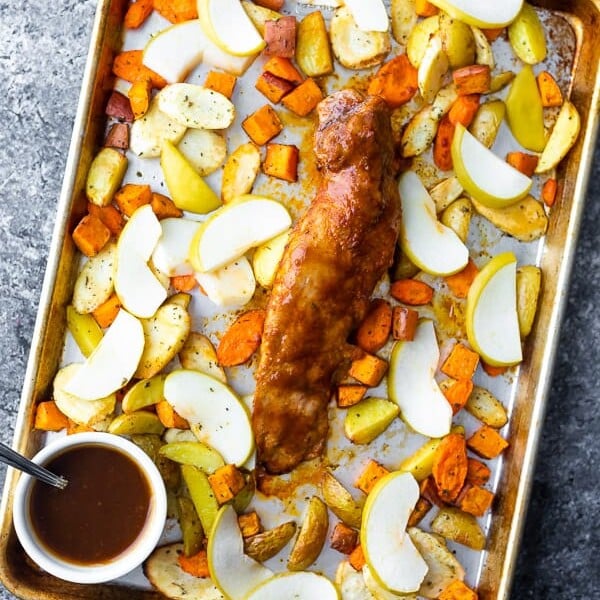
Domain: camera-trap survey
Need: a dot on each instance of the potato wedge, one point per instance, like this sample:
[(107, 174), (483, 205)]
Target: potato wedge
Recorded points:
[(240, 171), (195, 106), (84, 412), (313, 53), (192, 533), (265, 545), (443, 101), (199, 354), (403, 268), (457, 41), (205, 150), (419, 38), (455, 525), (445, 193), (500, 81), (529, 283), (484, 54), (201, 494), (105, 176), (137, 422), (164, 573), (484, 406), (149, 132), (146, 392), (458, 217), (259, 15), (311, 537), (419, 133), (181, 299), (96, 280), (85, 330), (432, 69), (267, 257), (164, 335), (351, 583), (562, 139), (487, 121), (353, 48), (340, 501), (196, 453), (404, 18), (443, 566), (526, 220), (368, 419), (527, 37)]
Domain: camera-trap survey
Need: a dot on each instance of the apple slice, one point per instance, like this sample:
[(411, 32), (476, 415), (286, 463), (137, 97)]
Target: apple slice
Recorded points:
[(492, 322), (187, 188), (266, 259), (170, 254), (486, 14), (412, 386), (392, 557), (138, 289), (221, 418), (302, 585), (230, 286), (114, 361), (226, 23), (433, 247), (235, 228), (176, 50), (483, 174), (234, 573), (369, 16)]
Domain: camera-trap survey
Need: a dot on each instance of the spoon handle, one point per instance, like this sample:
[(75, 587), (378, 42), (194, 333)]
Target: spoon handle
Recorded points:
[(17, 461)]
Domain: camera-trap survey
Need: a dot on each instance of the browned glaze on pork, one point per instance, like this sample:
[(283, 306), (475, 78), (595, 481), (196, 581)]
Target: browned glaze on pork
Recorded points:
[(337, 253)]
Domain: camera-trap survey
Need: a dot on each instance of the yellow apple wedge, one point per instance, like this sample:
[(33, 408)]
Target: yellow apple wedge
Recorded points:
[(230, 286), (484, 175), (170, 254), (301, 585), (492, 321), (482, 13), (188, 190)]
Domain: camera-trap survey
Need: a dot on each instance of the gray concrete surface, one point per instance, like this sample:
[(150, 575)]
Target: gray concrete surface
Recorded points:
[(43, 47)]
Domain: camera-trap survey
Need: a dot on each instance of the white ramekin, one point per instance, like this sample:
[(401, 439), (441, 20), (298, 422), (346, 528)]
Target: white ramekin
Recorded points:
[(124, 562)]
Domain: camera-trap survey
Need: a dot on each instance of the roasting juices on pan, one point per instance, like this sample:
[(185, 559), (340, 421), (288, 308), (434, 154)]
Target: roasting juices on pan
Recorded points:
[(302, 234)]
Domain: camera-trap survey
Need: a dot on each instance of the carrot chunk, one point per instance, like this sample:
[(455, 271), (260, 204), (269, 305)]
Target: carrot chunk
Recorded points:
[(107, 312), (262, 125), (412, 292), (226, 482), (272, 87), (549, 190), (304, 98), (464, 109), (461, 363), (242, 339), (526, 163), (370, 475), (283, 68), (458, 394), (91, 235), (221, 82), (195, 565), (128, 65), (395, 82), (457, 590), (442, 155), (487, 442), (344, 538), (168, 417), (460, 282), (450, 465), (177, 11), (368, 369), (281, 161), (549, 90), (404, 323), (474, 79), (374, 331), (478, 473), (49, 418), (349, 394)]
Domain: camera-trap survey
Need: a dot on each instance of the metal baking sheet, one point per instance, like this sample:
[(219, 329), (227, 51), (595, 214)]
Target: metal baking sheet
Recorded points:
[(573, 24)]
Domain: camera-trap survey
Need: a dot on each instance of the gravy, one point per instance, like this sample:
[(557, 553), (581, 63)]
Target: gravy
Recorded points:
[(99, 514)]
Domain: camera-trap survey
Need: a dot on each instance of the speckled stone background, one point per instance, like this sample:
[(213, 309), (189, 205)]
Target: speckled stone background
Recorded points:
[(43, 47)]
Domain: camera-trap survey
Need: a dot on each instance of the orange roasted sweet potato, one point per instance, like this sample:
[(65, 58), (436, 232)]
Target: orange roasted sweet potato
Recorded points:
[(242, 339), (450, 466), (395, 82)]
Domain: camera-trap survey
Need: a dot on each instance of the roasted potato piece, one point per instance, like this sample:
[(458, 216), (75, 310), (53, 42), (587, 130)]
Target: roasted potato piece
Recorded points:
[(181, 299), (202, 495), (419, 133), (196, 453), (368, 419), (267, 544), (85, 330), (313, 53), (199, 354), (458, 217), (419, 38), (137, 422), (172, 434), (457, 41), (460, 527), (404, 18), (95, 282), (526, 220), (432, 69), (205, 150), (403, 267), (443, 101), (351, 583), (529, 282), (191, 529), (164, 573), (240, 171), (165, 334), (483, 50), (562, 139), (340, 501), (484, 406), (311, 536), (443, 566), (105, 176), (259, 15), (527, 37), (144, 393), (353, 48), (151, 443), (487, 121), (500, 80), (445, 193)]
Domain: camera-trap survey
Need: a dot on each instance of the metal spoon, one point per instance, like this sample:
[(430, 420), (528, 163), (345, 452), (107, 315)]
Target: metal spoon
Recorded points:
[(18, 461)]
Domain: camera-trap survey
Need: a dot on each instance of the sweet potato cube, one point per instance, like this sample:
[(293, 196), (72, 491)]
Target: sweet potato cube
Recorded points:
[(137, 13), (549, 90), (475, 500), (368, 369), (109, 215), (139, 96), (220, 82), (374, 330), (283, 68), (117, 136), (412, 292), (429, 491), (423, 8), (195, 565), (91, 235), (344, 538), (357, 558), (422, 507), (131, 196), (549, 190), (461, 363), (457, 590), (262, 125), (474, 79), (177, 11), (168, 417), (460, 282), (478, 473), (280, 37), (164, 207), (303, 99), (250, 524), (271, 4), (349, 394), (128, 65), (107, 312), (526, 163), (404, 323), (487, 442), (226, 482), (493, 33), (272, 87), (281, 161), (370, 475), (458, 393), (49, 418), (493, 371), (184, 283)]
